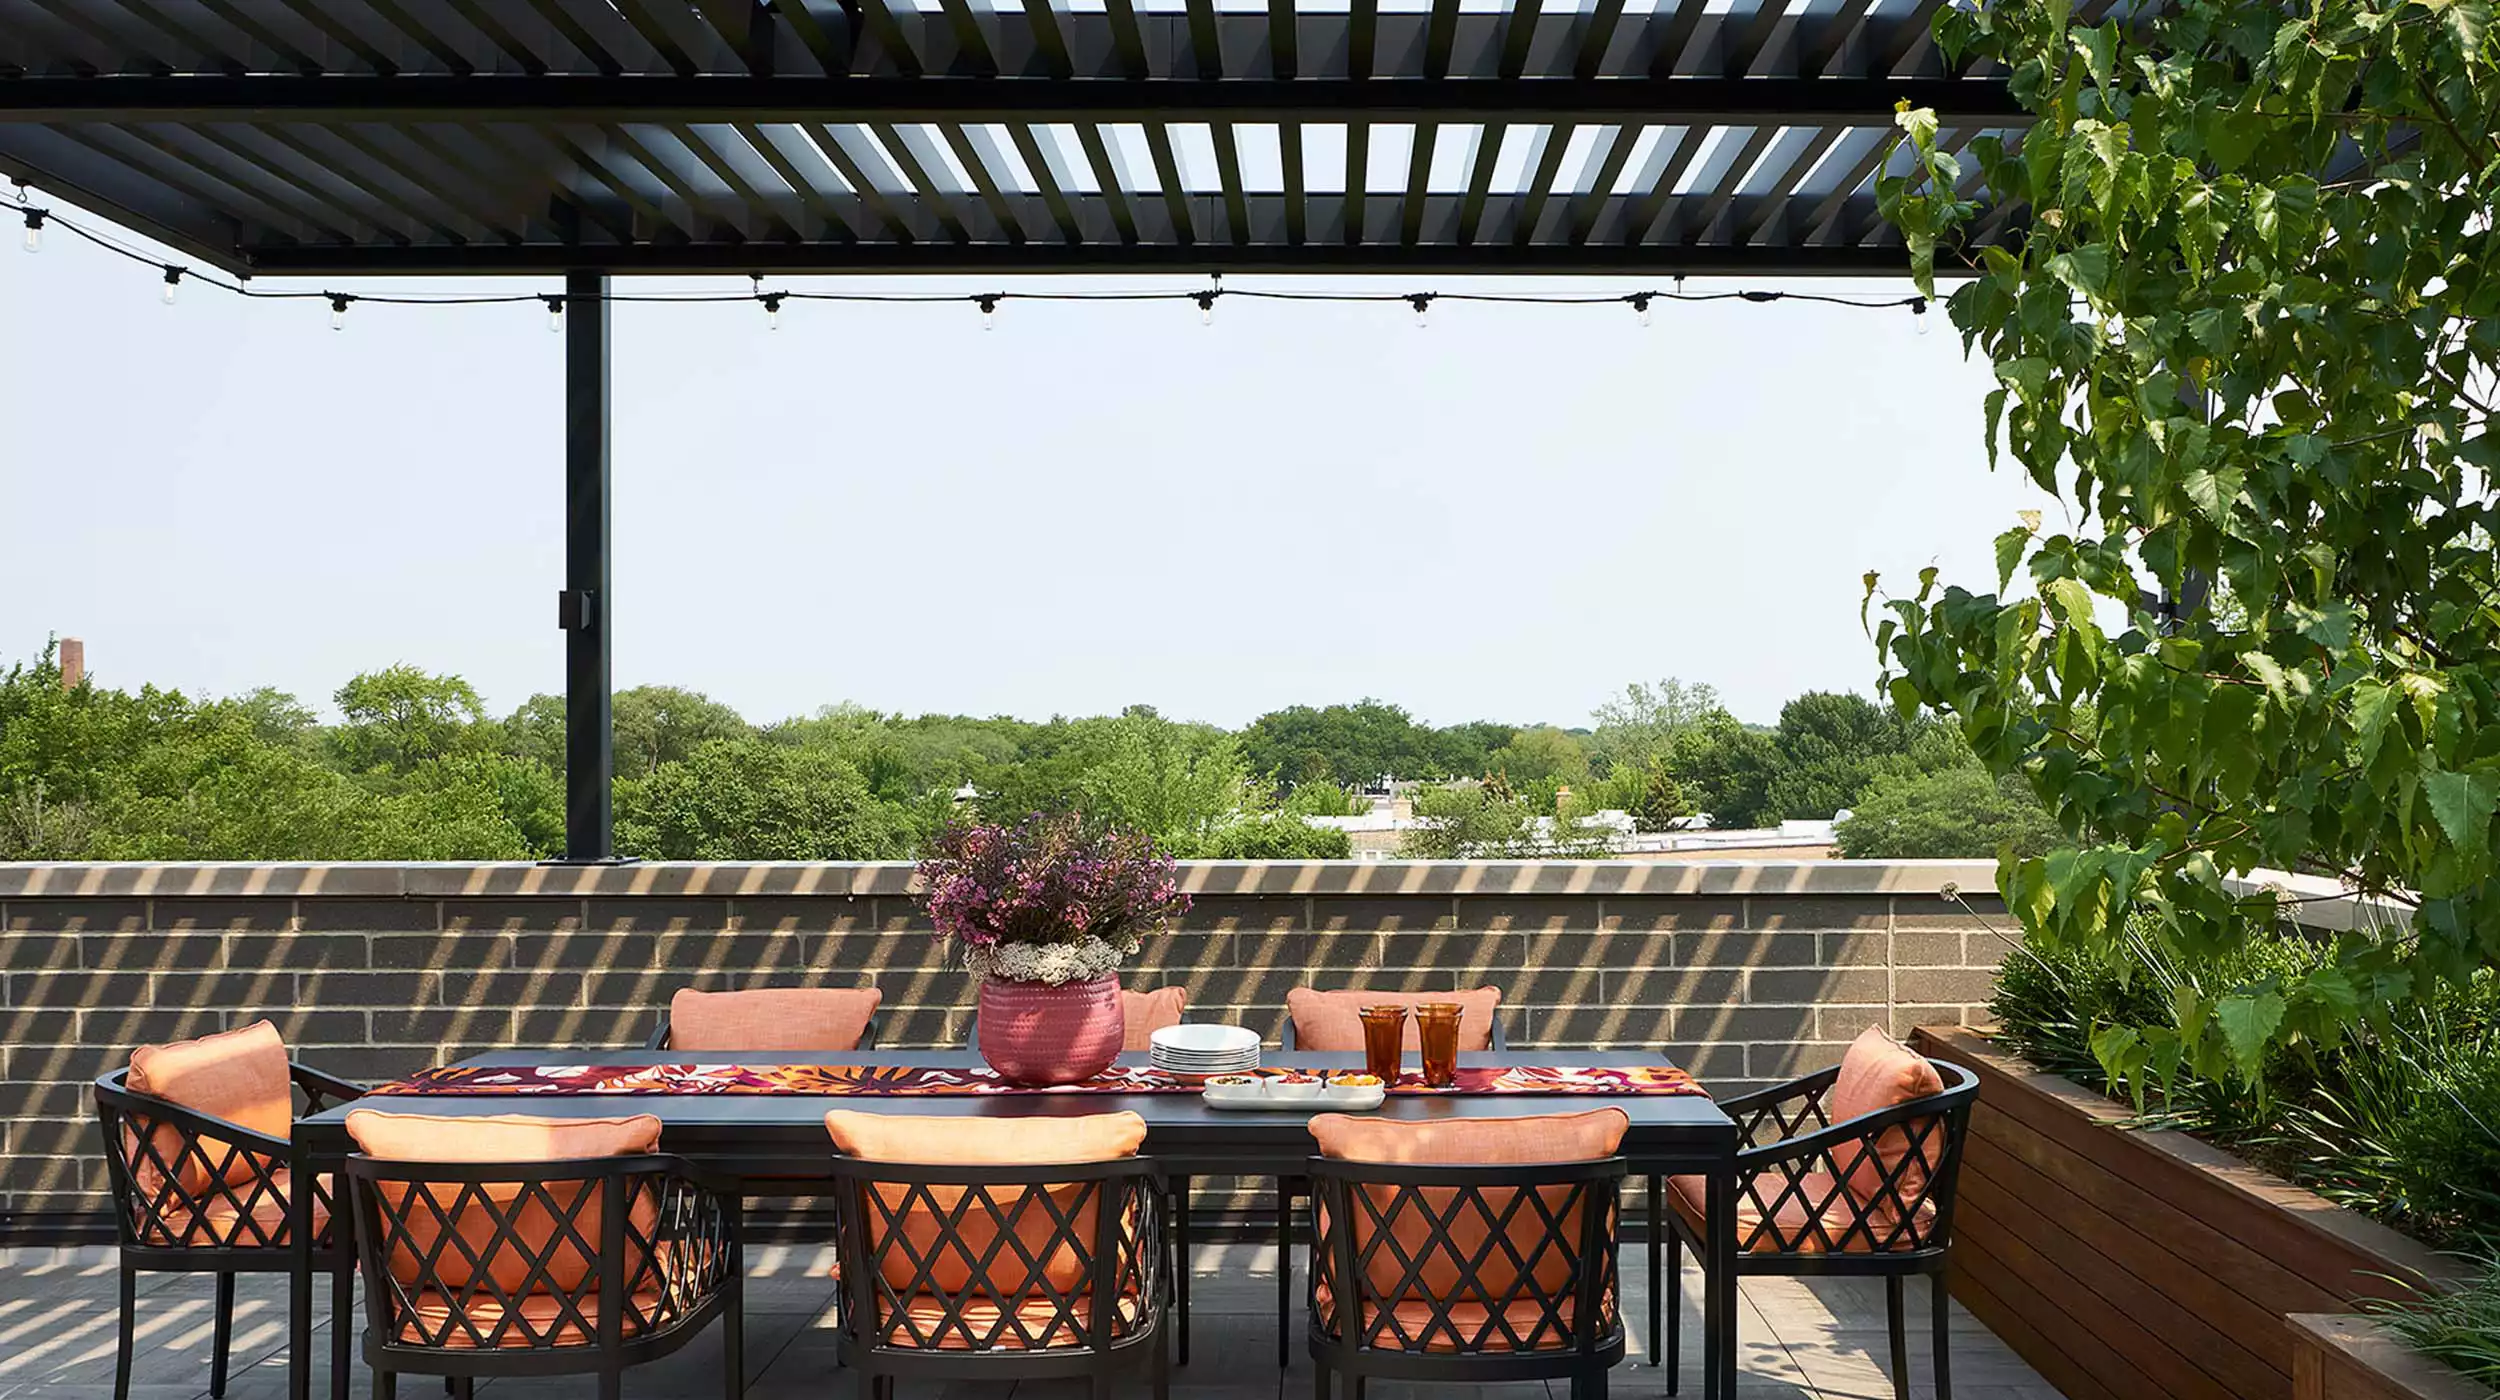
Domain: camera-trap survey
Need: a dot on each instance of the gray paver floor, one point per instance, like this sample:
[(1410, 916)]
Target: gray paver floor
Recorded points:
[(1799, 1339)]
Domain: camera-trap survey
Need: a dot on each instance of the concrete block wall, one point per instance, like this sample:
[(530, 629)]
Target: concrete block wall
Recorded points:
[(1744, 973)]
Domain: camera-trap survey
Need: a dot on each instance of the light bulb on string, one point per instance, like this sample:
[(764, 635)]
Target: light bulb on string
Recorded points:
[(772, 310), (173, 282), (555, 312), (989, 310), (1918, 313), (1640, 303), (338, 311), (34, 230), (1206, 308), (1422, 302)]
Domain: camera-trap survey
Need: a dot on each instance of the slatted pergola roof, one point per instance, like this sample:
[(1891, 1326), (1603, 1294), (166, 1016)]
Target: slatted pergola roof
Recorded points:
[(432, 136)]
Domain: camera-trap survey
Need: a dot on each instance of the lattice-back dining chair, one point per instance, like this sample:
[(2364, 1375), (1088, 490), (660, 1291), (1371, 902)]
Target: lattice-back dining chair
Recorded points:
[(1035, 1255), (196, 1150), (1332, 1021), (1466, 1251), (1142, 1014), (1851, 1172), (824, 1019), (598, 1254)]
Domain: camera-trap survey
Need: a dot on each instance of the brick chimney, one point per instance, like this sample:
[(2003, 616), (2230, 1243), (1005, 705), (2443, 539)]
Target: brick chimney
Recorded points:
[(73, 659)]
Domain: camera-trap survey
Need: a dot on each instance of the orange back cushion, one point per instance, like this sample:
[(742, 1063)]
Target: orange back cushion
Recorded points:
[(1880, 1072), (535, 1209), (1490, 1142), (886, 1137), (771, 1018), (1333, 1020), (239, 1075), (1148, 1012)]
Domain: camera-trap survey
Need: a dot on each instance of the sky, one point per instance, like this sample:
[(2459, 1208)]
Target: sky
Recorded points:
[(1508, 514)]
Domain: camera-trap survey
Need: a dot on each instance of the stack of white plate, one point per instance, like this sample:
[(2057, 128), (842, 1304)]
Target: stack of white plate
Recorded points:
[(1205, 1049)]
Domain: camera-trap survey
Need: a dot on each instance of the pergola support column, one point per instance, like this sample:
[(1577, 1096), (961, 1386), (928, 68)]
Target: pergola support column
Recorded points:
[(589, 740)]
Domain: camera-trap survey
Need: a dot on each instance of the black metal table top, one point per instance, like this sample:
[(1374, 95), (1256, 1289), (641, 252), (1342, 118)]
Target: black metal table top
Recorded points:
[(755, 1128)]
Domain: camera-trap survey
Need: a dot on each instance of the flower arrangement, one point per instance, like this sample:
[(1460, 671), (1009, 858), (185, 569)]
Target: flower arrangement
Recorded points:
[(1048, 900)]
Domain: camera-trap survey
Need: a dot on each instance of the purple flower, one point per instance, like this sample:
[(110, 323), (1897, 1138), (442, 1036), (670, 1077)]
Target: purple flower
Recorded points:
[(1048, 879)]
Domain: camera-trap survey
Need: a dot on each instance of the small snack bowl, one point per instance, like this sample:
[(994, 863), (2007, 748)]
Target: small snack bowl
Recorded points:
[(1235, 1091), (1296, 1087), (1355, 1081)]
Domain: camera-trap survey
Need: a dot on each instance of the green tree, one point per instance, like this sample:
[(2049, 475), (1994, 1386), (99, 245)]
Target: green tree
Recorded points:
[(398, 717), (1950, 812), (1542, 756), (1275, 836), (1639, 727), (275, 717), (1457, 821), (1471, 821), (1726, 769), (536, 731), (528, 795), (2244, 333), (1353, 744), (1465, 750), (1829, 747), (656, 724), (1322, 799), (746, 799), (1648, 793)]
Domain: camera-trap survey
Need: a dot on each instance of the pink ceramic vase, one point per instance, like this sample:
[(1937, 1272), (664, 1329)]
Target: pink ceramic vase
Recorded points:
[(1040, 1035)]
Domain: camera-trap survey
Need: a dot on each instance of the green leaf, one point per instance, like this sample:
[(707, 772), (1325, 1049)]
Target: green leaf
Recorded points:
[(2468, 21), (2248, 1025), (2010, 548), (2329, 625), (2099, 48), (2463, 803), (2373, 706), (2084, 269)]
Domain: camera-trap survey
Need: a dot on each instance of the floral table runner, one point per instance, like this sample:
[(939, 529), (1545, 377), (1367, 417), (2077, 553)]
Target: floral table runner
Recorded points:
[(927, 1081)]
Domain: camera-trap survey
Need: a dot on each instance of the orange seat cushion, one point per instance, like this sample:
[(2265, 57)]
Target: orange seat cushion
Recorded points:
[(1333, 1021), (956, 1253), (461, 1322), (1877, 1073), (771, 1018), (241, 1075), (1148, 1012), (546, 1217), (1036, 1323), (1470, 1327), (232, 1216), (1471, 1270), (1815, 1217)]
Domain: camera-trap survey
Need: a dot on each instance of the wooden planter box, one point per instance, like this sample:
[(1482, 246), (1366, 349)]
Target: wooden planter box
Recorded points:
[(2353, 1358), (2126, 1264)]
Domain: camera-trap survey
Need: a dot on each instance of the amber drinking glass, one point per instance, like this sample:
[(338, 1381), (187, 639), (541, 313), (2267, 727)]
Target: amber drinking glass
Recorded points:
[(1384, 1041), (1436, 1026)]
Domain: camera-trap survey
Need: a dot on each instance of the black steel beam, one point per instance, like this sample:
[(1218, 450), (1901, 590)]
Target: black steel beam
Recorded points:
[(589, 737), (1038, 256), (631, 100)]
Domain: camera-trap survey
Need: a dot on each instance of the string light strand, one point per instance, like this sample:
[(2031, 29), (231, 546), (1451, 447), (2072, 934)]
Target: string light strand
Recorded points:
[(38, 218)]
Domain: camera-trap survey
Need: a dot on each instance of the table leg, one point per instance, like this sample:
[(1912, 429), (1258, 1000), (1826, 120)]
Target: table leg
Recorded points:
[(1657, 1228), (299, 1233), (1284, 1274), (1719, 1287), (1180, 1266)]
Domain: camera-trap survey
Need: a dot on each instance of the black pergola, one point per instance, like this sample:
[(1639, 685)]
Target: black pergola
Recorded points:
[(598, 137)]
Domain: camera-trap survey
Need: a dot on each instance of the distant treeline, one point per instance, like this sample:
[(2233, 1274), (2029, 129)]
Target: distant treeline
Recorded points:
[(417, 769)]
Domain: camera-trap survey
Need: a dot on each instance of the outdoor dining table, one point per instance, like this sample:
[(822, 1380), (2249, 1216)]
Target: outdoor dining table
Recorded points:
[(768, 1140)]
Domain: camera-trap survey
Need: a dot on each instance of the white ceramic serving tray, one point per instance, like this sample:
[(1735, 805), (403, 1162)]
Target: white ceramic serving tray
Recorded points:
[(1260, 1097)]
